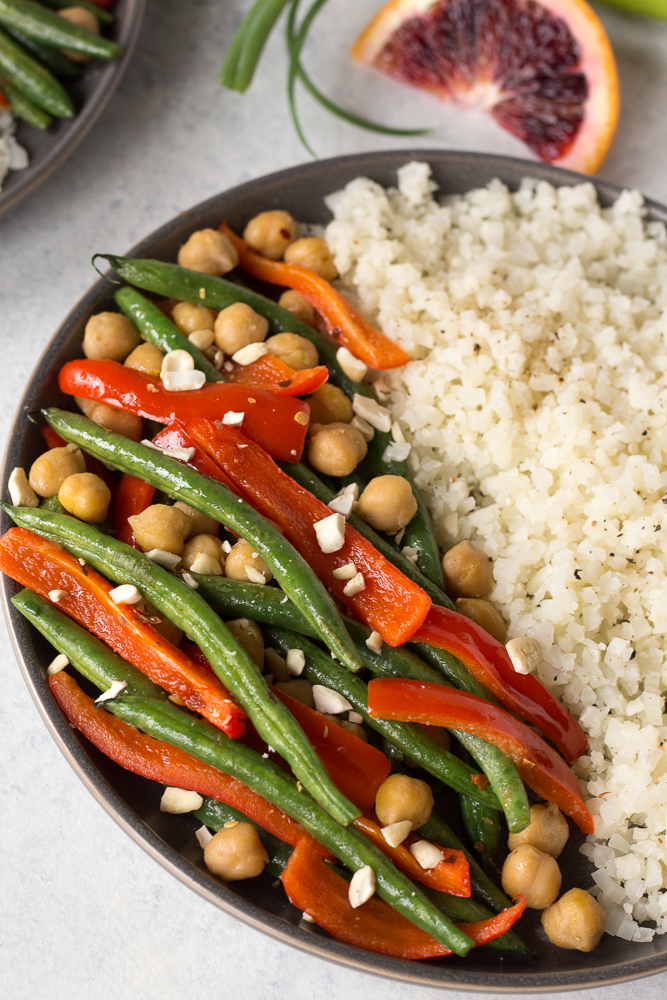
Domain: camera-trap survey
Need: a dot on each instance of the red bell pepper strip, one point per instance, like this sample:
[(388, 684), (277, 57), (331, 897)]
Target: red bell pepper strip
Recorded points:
[(169, 765), (488, 661), (278, 423), (4, 103), (451, 875), (539, 765), (272, 374), (132, 497), (391, 603), (54, 440), (344, 323), (355, 767), (317, 890), (174, 436), (44, 567)]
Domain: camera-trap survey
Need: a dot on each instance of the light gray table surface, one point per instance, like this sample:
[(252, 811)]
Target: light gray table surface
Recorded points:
[(84, 913)]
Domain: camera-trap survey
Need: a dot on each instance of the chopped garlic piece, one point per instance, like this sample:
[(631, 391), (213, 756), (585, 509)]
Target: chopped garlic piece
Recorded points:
[(203, 835), (20, 490), (57, 595), (180, 800), (374, 642), (355, 586), (427, 855), (127, 593), (353, 367), (226, 547), (57, 664), (330, 533), (182, 381), (329, 702), (250, 353), (232, 419), (163, 558), (206, 563), (362, 886), (112, 692), (396, 833), (364, 428), (342, 504), (295, 661), (345, 572), (526, 653), (254, 575), (377, 416)]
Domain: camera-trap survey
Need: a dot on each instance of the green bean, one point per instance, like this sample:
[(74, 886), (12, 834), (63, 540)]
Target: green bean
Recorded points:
[(23, 107), (451, 669), (408, 737), (33, 80), (50, 29), (183, 606), (157, 329), (53, 59), (469, 911), (102, 15), (215, 814), (177, 480), (268, 606), (482, 827)]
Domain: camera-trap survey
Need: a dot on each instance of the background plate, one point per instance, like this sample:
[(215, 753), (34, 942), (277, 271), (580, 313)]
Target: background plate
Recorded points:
[(47, 150), (134, 802)]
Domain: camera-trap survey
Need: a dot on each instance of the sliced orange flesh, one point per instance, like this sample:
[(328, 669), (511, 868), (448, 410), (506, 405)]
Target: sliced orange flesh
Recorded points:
[(545, 71)]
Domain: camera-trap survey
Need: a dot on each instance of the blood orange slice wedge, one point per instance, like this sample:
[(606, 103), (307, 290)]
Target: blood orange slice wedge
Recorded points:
[(545, 71)]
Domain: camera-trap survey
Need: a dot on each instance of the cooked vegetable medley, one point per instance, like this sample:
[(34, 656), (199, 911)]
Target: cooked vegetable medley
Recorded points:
[(256, 591)]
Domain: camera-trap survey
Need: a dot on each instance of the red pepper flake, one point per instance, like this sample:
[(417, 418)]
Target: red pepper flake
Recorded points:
[(285, 383), (480, 780)]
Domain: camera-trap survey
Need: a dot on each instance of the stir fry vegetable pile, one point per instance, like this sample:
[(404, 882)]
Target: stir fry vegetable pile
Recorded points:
[(257, 591), (42, 44)]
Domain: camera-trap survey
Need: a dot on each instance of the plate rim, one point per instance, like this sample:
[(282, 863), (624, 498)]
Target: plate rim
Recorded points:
[(253, 915)]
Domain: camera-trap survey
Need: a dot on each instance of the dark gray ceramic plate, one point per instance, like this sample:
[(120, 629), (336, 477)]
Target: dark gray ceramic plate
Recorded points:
[(47, 150), (133, 801)]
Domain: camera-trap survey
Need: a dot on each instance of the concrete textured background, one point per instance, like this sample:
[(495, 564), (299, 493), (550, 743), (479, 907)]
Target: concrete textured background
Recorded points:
[(84, 913)]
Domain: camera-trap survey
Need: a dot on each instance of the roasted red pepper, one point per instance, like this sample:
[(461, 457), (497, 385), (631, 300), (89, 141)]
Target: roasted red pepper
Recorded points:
[(343, 322), (539, 765), (451, 875), (132, 497), (317, 890), (174, 436), (44, 566), (167, 764), (488, 661), (278, 423), (272, 374), (355, 767), (390, 603)]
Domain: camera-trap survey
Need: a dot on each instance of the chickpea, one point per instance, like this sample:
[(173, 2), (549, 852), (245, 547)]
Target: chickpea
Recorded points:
[(86, 496), (295, 351), (237, 326), (387, 503), (110, 336), (236, 852), (207, 545), (468, 572), (80, 18), (270, 233), (313, 253), (160, 527), (210, 252), (145, 358), (533, 874), (547, 831), (299, 306), (485, 615), (243, 558), (200, 524), (330, 405), (299, 688), (576, 921), (400, 797), (118, 421), (336, 449), (248, 635), (188, 317), (86, 405), (50, 470)]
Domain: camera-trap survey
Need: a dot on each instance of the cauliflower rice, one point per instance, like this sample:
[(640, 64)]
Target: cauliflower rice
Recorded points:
[(536, 407)]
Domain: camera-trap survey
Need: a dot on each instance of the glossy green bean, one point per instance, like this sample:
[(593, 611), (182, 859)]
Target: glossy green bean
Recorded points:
[(24, 108), (157, 329), (182, 483), (33, 79), (483, 829), (50, 29), (102, 15), (52, 59)]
